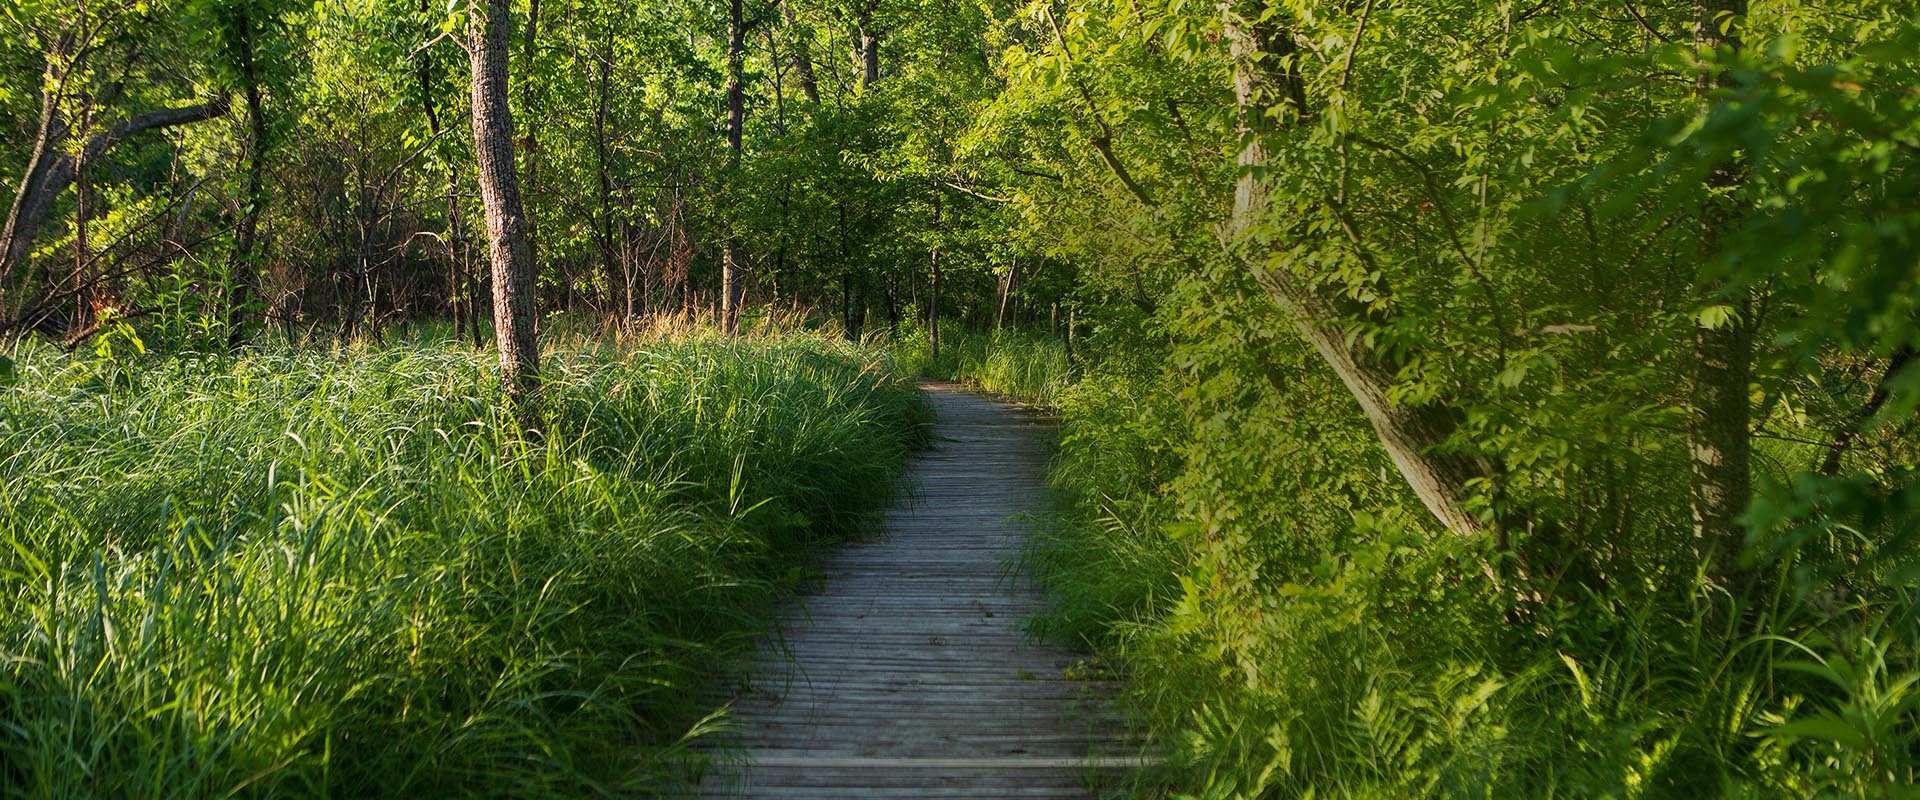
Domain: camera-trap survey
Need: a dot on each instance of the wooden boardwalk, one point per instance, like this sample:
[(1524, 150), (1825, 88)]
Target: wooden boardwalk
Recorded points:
[(908, 674)]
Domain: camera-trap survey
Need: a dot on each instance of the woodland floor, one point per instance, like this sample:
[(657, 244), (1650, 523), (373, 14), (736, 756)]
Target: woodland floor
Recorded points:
[(907, 673)]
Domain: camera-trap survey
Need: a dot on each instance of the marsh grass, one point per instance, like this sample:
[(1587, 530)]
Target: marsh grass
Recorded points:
[(342, 573), (1030, 368)]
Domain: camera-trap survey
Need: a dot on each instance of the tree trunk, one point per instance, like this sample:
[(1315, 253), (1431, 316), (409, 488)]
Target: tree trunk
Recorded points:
[(88, 299), (1720, 412), (51, 168), (618, 288), (933, 300), (1263, 82), (242, 272), (461, 296), (1069, 337), (30, 203), (778, 85), (89, 294), (507, 244), (531, 147), (732, 282), (867, 44), (1000, 291), (893, 307), (802, 62), (853, 306), (869, 57)]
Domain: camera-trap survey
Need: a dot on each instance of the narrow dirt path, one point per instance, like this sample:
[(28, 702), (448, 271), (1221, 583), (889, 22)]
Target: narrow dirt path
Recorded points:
[(908, 675)]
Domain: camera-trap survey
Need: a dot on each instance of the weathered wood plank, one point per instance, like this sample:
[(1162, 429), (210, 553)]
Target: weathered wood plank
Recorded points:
[(907, 673)]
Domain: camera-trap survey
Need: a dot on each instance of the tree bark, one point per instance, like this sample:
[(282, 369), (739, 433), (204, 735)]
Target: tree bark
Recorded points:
[(52, 169), (242, 271), (17, 232), (732, 282), (91, 294), (1850, 432), (507, 243), (531, 147), (802, 61), (617, 284), (1264, 81), (867, 44), (1720, 411), (933, 301), (869, 58), (463, 294), (1004, 288)]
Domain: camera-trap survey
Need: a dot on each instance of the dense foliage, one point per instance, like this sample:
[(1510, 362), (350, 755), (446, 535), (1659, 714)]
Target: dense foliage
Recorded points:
[(345, 574), (327, 185), (1533, 217), (1462, 398)]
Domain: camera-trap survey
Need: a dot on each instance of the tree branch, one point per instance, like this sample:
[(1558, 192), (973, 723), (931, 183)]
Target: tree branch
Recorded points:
[(1850, 433), (151, 120)]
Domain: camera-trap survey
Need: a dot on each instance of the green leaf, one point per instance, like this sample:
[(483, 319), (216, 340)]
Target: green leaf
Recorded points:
[(1715, 317), (22, 10), (1579, 680), (1824, 727)]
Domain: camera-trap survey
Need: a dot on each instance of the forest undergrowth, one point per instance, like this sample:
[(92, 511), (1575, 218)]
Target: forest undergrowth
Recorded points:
[(1292, 627), (343, 572), (1493, 399)]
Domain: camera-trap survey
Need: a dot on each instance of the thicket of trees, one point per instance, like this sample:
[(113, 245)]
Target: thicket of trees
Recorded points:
[(1498, 331), (1498, 399), (250, 163)]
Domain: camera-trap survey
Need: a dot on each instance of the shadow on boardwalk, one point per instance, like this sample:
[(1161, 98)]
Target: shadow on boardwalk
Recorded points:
[(908, 675)]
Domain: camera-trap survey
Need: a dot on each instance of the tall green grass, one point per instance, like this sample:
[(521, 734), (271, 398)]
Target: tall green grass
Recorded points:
[(1028, 367), (342, 573)]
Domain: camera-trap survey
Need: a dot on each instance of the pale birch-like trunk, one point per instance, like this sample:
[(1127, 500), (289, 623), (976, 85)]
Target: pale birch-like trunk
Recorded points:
[(1264, 80), (1720, 413)]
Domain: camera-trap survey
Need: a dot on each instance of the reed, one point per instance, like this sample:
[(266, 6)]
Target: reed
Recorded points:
[(343, 573)]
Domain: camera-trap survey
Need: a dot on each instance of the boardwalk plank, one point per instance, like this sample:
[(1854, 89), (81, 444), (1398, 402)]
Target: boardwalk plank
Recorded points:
[(907, 673)]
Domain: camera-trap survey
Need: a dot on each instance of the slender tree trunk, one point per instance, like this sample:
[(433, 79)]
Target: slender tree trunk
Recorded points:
[(51, 170), (1069, 337), (468, 277), (462, 297), (893, 308), (732, 282), (530, 148), (869, 56), (1264, 82), (453, 289), (87, 305), (1001, 291), (618, 290), (243, 274), (89, 294), (852, 282), (778, 84), (1720, 411), (855, 284), (847, 313), (30, 205), (933, 300), (802, 62), (507, 242)]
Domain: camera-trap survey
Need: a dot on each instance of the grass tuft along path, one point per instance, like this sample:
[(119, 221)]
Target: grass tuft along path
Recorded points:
[(908, 674)]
